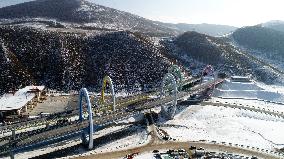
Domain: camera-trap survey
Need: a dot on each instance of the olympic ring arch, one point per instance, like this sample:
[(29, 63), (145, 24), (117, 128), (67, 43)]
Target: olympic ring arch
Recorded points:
[(175, 70), (208, 70), (169, 77), (108, 80), (84, 94)]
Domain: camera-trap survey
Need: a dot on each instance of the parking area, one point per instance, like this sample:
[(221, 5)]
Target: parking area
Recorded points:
[(197, 153), (54, 104)]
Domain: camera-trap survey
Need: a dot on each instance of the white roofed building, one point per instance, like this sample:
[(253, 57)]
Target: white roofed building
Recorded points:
[(18, 101)]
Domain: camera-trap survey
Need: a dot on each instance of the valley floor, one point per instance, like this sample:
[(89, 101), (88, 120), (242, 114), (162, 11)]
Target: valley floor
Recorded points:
[(242, 128), (235, 127)]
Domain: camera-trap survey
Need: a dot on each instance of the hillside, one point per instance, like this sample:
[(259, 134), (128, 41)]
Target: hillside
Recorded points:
[(195, 50), (73, 60), (12, 74), (275, 24), (69, 44), (261, 38), (81, 13), (263, 42)]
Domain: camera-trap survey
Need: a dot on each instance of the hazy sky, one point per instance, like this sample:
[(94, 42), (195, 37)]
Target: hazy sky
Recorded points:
[(229, 12)]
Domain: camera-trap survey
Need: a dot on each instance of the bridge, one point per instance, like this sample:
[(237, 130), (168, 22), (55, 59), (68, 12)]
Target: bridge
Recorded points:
[(84, 121)]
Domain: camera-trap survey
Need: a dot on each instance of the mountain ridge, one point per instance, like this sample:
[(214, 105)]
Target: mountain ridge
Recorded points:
[(204, 28), (89, 14), (262, 42), (261, 38), (197, 50), (66, 61), (277, 25), (83, 13), (47, 50)]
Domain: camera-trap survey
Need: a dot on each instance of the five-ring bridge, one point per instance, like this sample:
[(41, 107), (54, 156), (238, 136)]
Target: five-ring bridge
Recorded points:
[(27, 135)]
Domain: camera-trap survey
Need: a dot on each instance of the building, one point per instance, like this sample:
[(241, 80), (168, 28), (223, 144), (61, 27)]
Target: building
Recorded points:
[(240, 79), (17, 102)]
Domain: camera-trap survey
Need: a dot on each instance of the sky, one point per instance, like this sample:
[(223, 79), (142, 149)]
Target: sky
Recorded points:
[(227, 12)]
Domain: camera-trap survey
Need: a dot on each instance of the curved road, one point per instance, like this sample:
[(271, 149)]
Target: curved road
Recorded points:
[(184, 145), (156, 143)]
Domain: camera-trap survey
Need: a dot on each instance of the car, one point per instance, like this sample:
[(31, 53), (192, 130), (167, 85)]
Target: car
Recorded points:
[(192, 148), (181, 150), (42, 114), (157, 156)]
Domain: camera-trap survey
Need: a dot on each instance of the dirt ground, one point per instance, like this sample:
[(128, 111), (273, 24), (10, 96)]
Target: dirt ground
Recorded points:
[(55, 104)]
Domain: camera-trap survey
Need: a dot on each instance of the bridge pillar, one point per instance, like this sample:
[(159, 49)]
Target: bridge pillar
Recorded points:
[(12, 144), (86, 140), (173, 88), (208, 70), (177, 73)]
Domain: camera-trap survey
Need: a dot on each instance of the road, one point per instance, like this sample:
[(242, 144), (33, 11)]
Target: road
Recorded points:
[(121, 103), (183, 145), (105, 118), (156, 143)]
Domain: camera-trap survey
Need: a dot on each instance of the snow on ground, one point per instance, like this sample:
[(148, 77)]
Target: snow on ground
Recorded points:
[(213, 123), (227, 125), (251, 102), (252, 94), (233, 125), (250, 90), (139, 138), (278, 89)]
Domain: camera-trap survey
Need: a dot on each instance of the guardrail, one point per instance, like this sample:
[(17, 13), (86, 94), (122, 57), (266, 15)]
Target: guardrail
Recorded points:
[(261, 100), (245, 107), (256, 149)]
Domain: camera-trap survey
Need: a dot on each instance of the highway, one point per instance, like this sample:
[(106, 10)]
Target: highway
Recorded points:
[(122, 102), (23, 139), (123, 113)]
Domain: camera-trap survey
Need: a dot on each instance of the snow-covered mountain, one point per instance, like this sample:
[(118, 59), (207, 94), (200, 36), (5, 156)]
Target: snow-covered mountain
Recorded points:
[(84, 14), (72, 60), (274, 24), (68, 44), (90, 15), (263, 42), (208, 29), (196, 50)]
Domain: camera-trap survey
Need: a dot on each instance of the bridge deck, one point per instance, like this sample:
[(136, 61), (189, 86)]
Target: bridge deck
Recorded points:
[(120, 114)]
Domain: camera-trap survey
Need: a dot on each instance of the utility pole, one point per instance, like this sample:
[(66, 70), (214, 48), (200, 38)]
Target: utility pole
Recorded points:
[(11, 145)]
